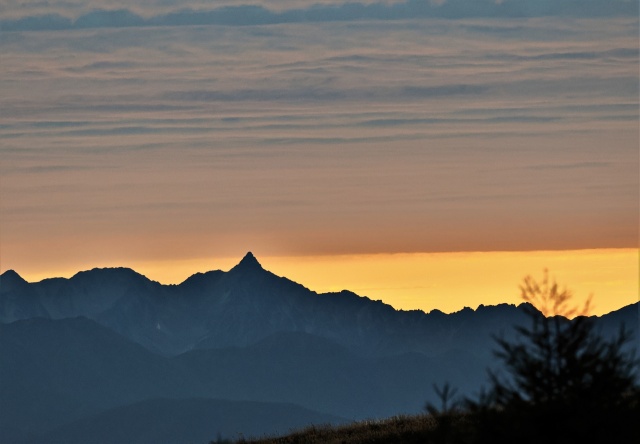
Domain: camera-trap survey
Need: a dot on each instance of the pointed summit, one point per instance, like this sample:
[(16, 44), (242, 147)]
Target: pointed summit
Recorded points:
[(248, 262)]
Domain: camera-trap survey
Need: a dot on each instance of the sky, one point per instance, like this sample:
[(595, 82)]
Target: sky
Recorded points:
[(333, 140)]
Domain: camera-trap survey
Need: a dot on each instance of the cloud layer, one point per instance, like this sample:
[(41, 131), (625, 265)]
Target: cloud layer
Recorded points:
[(57, 18), (326, 137)]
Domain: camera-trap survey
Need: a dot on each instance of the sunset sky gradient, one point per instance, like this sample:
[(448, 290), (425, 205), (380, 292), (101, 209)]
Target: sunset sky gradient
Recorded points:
[(430, 154)]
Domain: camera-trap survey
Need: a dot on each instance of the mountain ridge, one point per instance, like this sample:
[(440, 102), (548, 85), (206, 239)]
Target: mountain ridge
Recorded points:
[(248, 262), (239, 307)]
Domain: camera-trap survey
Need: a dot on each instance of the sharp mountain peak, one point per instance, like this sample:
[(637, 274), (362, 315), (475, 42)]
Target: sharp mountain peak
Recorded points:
[(248, 262)]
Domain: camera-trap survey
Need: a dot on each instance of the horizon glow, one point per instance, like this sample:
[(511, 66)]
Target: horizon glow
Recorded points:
[(426, 281)]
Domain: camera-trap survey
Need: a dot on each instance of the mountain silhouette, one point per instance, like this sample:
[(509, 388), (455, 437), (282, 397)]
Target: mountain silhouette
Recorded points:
[(87, 352), (10, 280), (248, 264), (240, 307), (244, 305)]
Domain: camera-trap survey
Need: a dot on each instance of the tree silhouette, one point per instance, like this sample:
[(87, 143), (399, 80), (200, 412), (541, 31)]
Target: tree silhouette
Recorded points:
[(565, 383), (446, 395)]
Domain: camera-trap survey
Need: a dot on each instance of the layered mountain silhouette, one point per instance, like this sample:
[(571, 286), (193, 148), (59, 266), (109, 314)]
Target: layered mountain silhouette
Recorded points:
[(238, 308), (109, 352)]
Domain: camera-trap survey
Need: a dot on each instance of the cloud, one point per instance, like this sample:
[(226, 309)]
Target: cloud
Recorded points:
[(571, 166), (360, 125), (251, 15), (103, 65), (617, 53), (326, 94), (47, 22)]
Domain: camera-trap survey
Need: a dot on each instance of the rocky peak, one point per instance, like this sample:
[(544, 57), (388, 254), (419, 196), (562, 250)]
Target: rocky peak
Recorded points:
[(248, 263)]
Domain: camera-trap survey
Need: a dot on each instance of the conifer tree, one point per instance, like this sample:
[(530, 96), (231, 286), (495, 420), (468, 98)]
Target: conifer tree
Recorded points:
[(564, 382)]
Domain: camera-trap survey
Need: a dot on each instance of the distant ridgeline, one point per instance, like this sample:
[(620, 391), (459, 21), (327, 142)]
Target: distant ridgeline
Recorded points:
[(109, 356)]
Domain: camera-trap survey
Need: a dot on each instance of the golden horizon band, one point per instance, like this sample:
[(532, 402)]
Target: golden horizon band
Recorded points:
[(424, 281)]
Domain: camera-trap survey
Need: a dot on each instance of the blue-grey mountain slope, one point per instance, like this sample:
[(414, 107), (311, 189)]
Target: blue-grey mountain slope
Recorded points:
[(54, 371), (62, 378), (319, 374), (170, 421)]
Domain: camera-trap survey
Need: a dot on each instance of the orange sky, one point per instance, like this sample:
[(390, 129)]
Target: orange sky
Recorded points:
[(366, 154)]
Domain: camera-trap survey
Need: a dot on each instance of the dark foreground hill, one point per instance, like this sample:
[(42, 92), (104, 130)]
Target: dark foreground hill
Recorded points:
[(109, 347)]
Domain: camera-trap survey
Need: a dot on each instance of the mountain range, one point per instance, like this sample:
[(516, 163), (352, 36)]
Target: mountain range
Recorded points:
[(109, 356)]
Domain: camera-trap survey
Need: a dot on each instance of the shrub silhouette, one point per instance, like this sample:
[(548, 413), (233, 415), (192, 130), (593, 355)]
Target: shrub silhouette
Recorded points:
[(565, 382)]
